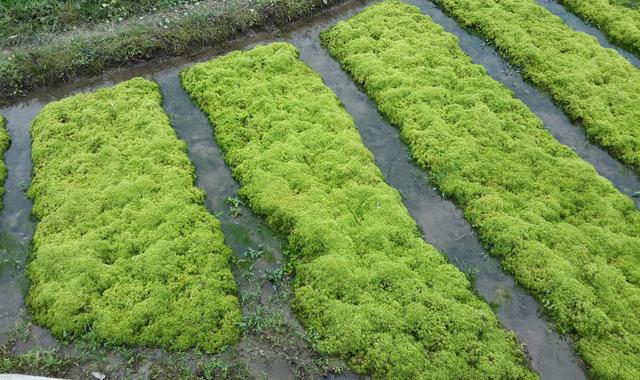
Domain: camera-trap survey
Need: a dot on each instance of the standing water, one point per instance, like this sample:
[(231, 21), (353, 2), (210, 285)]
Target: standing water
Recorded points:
[(16, 226)]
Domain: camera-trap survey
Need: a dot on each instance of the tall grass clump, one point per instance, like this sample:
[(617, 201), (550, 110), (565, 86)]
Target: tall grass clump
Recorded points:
[(619, 20), (124, 246), (595, 86), (4, 144), (564, 232), (367, 287)]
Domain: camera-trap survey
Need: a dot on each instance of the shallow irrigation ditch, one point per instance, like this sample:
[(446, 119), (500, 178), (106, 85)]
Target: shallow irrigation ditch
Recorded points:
[(273, 343)]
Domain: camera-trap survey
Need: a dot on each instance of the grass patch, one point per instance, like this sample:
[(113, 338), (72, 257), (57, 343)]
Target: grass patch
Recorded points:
[(595, 86), (619, 20), (124, 246), (368, 288), (565, 233), (63, 57), (21, 19), (40, 361)]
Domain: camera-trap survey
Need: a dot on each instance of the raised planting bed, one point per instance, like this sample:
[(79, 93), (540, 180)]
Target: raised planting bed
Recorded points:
[(367, 287), (618, 19), (4, 144), (595, 86), (125, 249), (564, 232)]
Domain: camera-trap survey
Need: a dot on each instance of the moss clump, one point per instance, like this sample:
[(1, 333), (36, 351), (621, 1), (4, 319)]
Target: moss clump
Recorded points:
[(593, 85), (565, 232), (619, 21), (4, 144), (367, 288), (124, 245)]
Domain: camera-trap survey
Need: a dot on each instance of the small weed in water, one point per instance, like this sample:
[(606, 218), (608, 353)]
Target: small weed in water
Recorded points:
[(249, 297), (235, 206), (216, 369), (253, 254), (23, 330), (263, 319), (270, 257), (245, 267), (276, 277), (472, 275)]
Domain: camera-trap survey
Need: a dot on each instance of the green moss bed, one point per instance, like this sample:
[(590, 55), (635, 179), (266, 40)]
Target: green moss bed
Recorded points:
[(564, 232), (124, 246)]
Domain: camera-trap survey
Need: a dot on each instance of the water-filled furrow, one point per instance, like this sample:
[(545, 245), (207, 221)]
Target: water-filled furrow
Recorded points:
[(442, 222), (16, 226), (560, 126), (577, 24)]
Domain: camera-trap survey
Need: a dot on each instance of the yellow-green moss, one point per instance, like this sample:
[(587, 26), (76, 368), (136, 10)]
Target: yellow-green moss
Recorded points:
[(124, 245), (4, 144), (565, 233), (367, 287)]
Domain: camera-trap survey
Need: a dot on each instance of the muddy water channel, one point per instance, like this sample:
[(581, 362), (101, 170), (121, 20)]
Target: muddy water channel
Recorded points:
[(16, 226), (274, 345)]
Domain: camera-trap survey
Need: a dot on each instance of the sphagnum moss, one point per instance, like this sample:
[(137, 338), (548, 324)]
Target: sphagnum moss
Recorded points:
[(124, 245), (4, 144), (619, 22), (595, 86), (367, 287), (565, 232)]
